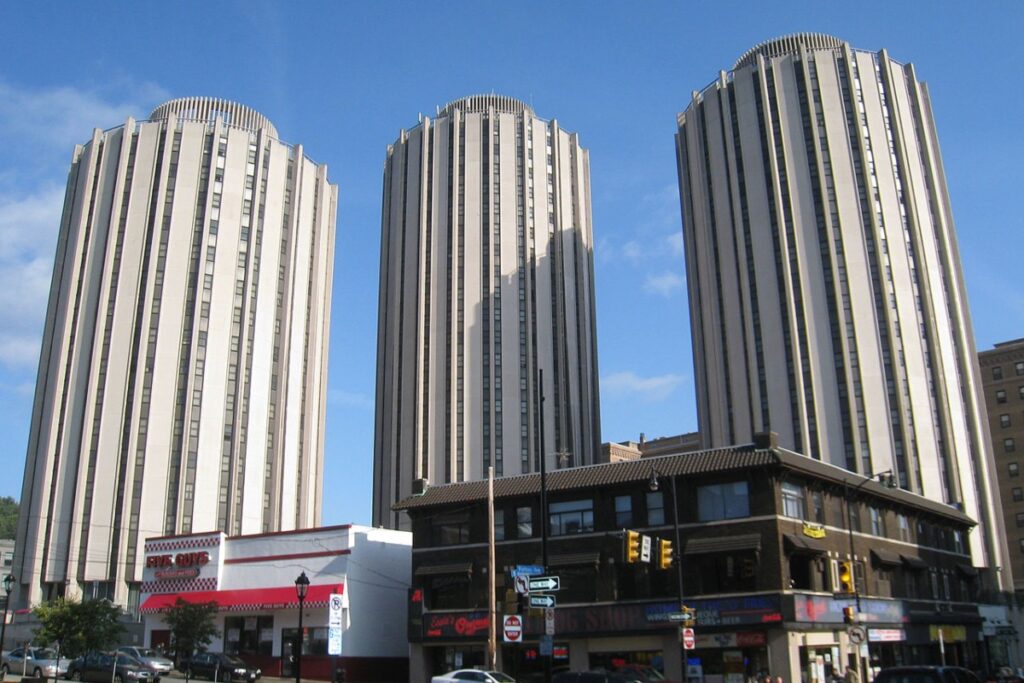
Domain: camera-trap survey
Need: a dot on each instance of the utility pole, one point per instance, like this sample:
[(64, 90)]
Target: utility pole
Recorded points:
[(492, 625), (543, 509)]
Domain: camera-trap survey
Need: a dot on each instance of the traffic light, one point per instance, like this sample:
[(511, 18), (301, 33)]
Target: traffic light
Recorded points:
[(664, 554), (846, 577), (632, 546), (849, 615)]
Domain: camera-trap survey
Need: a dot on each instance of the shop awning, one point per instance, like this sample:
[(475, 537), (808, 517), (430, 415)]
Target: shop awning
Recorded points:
[(245, 599), (970, 571), (440, 569), (723, 544), (884, 557), (803, 544), (914, 562)]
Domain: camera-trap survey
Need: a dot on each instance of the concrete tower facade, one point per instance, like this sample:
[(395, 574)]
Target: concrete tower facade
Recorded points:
[(182, 376), (487, 283), (826, 293)]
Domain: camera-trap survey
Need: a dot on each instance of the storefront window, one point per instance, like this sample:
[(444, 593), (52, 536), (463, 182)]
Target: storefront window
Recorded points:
[(249, 635), (451, 529), (793, 503), (722, 573), (571, 517), (314, 640), (723, 501), (448, 591), (655, 508)]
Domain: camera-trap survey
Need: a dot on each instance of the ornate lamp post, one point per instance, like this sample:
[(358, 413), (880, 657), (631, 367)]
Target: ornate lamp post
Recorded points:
[(9, 581), (301, 586)]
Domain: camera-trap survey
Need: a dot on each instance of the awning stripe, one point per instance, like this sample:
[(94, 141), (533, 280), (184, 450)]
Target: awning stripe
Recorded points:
[(245, 599), (722, 544), (439, 569)]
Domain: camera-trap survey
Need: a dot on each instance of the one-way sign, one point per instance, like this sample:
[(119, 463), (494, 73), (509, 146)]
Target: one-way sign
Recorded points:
[(544, 583), (542, 600)]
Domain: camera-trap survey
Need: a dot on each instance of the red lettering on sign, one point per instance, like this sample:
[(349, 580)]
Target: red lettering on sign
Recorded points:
[(192, 559), (159, 560)]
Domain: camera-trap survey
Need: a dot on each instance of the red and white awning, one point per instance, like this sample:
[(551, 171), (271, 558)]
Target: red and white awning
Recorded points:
[(245, 599)]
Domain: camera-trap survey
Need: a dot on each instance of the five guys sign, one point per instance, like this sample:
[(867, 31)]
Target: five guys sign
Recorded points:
[(180, 566)]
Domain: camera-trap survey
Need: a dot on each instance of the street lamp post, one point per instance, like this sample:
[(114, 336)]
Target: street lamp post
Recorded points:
[(8, 587), (885, 478), (301, 586), (677, 560)]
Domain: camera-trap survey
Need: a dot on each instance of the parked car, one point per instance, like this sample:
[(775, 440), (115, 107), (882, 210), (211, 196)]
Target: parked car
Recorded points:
[(926, 674), (218, 666), (595, 677), (33, 661), (150, 657), (118, 667), (473, 675)]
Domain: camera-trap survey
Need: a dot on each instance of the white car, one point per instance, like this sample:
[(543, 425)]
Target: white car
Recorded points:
[(473, 675)]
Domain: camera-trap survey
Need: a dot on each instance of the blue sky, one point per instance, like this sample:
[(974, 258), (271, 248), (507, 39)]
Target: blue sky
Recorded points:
[(343, 79)]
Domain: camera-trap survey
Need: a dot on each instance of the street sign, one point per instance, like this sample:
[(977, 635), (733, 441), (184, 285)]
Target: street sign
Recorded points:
[(544, 583), (527, 570), (522, 584), (512, 628), (541, 600), (335, 621), (689, 639), (680, 616), (549, 621), (547, 646), (858, 634), (645, 548)]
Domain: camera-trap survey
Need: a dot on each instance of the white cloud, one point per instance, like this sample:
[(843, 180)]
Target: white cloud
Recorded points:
[(28, 229), (628, 384), (664, 284), (351, 399), (674, 242), (62, 117), (39, 128)]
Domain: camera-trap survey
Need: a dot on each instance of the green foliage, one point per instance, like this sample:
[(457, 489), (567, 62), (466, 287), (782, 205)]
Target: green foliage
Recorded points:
[(8, 517), (78, 627), (191, 625)]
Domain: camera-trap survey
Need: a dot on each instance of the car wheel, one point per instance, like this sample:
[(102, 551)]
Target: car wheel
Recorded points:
[(37, 672), (76, 675), (4, 670), (118, 678)]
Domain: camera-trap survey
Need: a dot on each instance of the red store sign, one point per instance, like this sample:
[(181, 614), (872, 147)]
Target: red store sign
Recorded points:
[(180, 566)]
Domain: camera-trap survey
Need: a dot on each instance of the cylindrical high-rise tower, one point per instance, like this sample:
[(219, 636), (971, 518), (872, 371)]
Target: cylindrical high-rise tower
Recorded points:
[(486, 279), (183, 367), (826, 294)]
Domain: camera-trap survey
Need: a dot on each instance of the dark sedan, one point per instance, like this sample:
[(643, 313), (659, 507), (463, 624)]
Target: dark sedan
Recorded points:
[(218, 666), (102, 667)]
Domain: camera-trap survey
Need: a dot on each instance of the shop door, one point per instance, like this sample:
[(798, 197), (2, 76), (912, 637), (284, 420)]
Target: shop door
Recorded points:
[(288, 641)]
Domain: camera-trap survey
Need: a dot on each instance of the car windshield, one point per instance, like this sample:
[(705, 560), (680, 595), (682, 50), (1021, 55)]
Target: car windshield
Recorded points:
[(43, 653), (128, 660), (234, 661), (502, 678), (146, 652)]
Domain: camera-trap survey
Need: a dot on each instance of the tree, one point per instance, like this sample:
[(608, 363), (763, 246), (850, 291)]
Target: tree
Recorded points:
[(191, 625), (78, 627), (8, 517)]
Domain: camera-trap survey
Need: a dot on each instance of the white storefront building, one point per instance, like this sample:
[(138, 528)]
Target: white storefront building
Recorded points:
[(252, 580)]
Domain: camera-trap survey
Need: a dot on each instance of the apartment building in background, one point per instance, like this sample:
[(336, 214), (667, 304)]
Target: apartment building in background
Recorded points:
[(182, 376), (1002, 373), (826, 294), (486, 285)]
